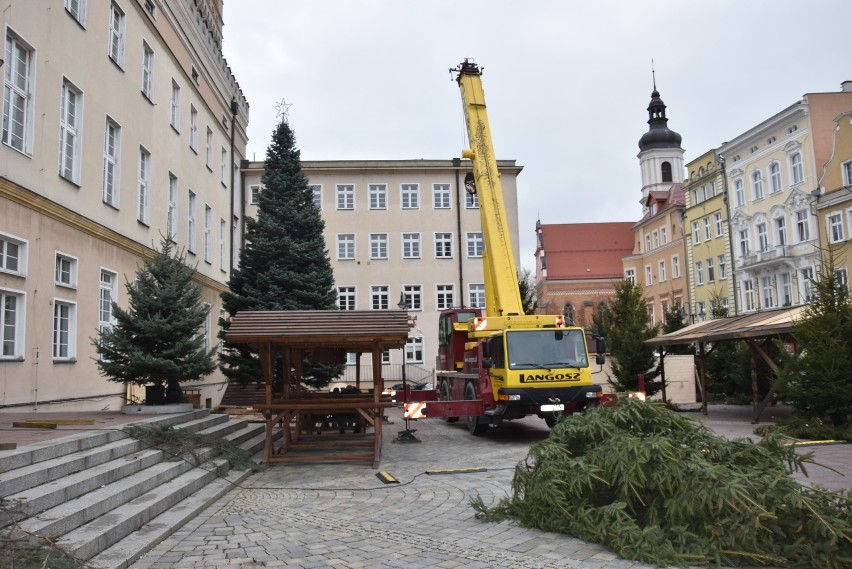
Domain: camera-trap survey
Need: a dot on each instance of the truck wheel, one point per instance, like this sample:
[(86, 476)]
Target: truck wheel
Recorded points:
[(475, 424), (550, 420), (444, 395)]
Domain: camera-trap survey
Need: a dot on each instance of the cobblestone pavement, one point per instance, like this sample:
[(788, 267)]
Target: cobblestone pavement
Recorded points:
[(343, 516)]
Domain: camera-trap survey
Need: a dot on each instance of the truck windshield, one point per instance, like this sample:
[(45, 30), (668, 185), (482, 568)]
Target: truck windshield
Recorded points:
[(546, 348)]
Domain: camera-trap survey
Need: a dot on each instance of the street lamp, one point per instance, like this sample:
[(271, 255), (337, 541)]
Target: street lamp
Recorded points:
[(407, 435)]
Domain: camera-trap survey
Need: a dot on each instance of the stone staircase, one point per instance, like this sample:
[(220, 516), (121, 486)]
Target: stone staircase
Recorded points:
[(107, 498)]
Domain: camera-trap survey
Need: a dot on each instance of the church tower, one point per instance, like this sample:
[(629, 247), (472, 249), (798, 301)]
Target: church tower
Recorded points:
[(660, 154)]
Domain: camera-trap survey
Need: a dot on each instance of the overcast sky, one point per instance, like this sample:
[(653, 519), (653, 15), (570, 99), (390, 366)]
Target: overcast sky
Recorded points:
[(567, 83)]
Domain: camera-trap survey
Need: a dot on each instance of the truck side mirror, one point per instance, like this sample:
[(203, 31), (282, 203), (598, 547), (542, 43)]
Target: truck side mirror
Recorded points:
[(600, 348), (487, 363)]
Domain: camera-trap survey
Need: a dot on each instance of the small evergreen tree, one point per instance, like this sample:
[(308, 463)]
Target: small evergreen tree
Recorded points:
[(629, 327), (673, 321), (819, 382), (284, 264), (526, 284), (158, 339)]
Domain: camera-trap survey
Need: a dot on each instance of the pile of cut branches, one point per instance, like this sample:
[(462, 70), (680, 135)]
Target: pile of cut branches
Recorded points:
[(657, 487), (180, 443)]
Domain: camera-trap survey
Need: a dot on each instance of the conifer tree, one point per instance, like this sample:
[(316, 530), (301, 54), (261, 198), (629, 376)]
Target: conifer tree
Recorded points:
[(159, 338), (629, 327), (284, 264), (819, 382)]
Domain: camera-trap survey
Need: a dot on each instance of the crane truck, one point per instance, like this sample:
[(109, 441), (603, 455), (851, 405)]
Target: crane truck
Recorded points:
[(502, 364)]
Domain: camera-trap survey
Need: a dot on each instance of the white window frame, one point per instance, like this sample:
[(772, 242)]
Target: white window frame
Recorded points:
[(775, 182), (711, 273), (745, 243), (413, 296), (720, 227), (699, 273), (722, 265), (147, 86), (441, 196), (12, 322), (696, 233), (208, 234), (661, 271), (193, 128), (445, 296), (143, 201), (409, 196), (414, 350), (223, 168), (18, 93), (834, 226), (781, 230), (65, 270), (77, 10), (675, 266), (748, 294), (649, 275), (476, 295), (378, 195), (664, 235), (379, 297), (345, 246), (708, 233), (174, 106), (630, 275), (378, 246), (471, 201), (786, 290), (797, 168), (443, 245), (13, 263), (107, 294), (172, 208), (64, 342), (70, 131), (209, 149), (317, 195), (767, 292), (116, 34), (254, 194), (112, 158), (762, 236), (757, 185), (190, 222), (345, 197), (223, 235), (739, 192), (803, 226), (846, 169), (807, 274), (475, 244), (346, 298), (411, 245)]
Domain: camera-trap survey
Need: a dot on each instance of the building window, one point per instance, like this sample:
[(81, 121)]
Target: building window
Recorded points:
[(410, 196), (414, 350), (193, 128), (106, 296), (317, 193), (174, 110), (441, 196), (720, 227), (223, 169), (346, 298), (696, 233), (65, 271), (664, 237), (471, 201), (18, 95), (630, 275), (768, 292), (842, 277), (475, 244), (346, 246), (254, 195), (77, 9), (649, 275), (208, 234), (410, 245), (413, 295), (147, 71), (786, 289), (808, 283), (116, 35), (748, 294), (70, 119), (834, 220), (796, 168), (661, 271), (378, 245), (803, 226), (666, 171), (707, 233), (775, 177), (721, 261), (112, 143), (675, 267), (739, 192), (476, 295), (711, 275), (64, 329), (781, 231), (190, 223), (143, 213), (699, 273), (847, 173), (223, 228), (656, 239), (757, 185), (379, 297), (744, 247), (762, 237), (13, 255), (443, 245), (378, 196), (11, 324), (647, 242), (445, 296), (346, 197), (171, 212), (209, 150)]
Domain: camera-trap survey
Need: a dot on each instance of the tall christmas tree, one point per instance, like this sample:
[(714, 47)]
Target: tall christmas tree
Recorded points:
[(629, 327), (284, 264), (159, 339)]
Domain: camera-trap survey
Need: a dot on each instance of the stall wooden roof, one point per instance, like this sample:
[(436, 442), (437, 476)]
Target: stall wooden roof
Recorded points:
[(352, 330), (779, 322)]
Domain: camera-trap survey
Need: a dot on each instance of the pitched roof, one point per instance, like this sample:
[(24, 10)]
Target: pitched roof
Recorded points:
[(586, 250)]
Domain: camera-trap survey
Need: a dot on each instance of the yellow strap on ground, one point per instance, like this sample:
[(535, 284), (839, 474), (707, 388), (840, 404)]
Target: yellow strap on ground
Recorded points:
[(457, 470), (386, 477)]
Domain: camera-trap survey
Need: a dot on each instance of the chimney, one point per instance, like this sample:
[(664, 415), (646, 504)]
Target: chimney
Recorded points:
[(846, 87)]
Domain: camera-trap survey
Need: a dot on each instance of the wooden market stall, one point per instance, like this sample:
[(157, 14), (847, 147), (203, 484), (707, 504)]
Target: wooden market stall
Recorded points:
[(282, 338)]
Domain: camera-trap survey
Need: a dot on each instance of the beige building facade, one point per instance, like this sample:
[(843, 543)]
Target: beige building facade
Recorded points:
[(772, 172), (122, 122), (401, 229)]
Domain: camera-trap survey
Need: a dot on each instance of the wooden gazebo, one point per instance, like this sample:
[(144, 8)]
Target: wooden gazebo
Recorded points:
[(328, 335)]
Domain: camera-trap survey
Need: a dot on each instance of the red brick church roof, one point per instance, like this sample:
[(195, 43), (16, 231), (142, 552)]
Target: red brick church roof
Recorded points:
[(586, 250)]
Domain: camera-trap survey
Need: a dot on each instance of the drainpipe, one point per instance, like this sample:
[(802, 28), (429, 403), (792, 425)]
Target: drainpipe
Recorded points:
[(234, 110), (721, 160)]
